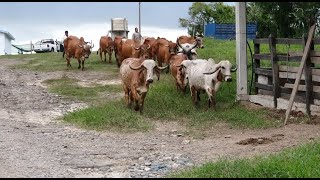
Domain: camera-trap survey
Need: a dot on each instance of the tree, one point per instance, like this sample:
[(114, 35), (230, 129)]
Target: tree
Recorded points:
[(283, 19), (202, 13)]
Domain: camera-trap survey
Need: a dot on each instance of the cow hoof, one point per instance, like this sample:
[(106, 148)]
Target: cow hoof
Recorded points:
[(136, 108)]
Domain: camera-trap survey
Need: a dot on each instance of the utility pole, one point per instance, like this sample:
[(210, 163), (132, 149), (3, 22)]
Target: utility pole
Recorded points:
[(139, 18)]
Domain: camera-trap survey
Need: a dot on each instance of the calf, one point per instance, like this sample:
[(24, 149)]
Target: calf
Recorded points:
[(136, 75), (207, 76), (106, 46), (77, 48)]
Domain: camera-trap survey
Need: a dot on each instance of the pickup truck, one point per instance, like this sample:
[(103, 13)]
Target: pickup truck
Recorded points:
[(46, 45)]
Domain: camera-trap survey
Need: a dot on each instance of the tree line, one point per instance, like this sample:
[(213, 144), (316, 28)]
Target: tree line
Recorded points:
[(283, 19)]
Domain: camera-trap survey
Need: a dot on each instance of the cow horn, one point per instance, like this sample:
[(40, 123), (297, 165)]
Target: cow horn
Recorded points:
[(179, 43), (162, 68), (136, 68), (80, 46), (234, 69), (148, 46), (217, 68), (195, 45)]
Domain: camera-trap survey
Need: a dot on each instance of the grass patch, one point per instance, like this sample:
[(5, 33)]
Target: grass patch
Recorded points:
[(53, 61), (299, 162), (69, 88), (164, 102), (113, 116)]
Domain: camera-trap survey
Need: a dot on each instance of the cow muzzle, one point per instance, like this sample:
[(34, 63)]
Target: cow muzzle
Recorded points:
[(150, 81), (228, 78)]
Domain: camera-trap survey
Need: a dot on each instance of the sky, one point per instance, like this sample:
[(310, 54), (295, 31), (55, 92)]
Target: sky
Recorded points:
[(33, 21)]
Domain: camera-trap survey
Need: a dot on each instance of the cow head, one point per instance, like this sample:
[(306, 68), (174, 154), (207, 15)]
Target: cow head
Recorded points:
[(149, 66), (140, 50), (86, 50), (173, 48), (183, 71), (188, 49), (224, 68), (199, 40)]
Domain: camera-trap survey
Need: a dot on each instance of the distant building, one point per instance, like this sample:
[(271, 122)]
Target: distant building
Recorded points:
[(5, 42), (119, 27)]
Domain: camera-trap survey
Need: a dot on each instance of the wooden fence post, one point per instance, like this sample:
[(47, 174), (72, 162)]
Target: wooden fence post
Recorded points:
[(306, 51), (308, 77), (275, 69), (256, 65)]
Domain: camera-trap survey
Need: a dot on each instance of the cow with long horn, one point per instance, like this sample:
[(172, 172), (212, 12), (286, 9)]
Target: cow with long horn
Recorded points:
[(188, 49), (136, 75), (205, 75)]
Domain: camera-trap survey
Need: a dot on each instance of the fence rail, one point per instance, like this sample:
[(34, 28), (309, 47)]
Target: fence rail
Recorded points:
[(278, 79)]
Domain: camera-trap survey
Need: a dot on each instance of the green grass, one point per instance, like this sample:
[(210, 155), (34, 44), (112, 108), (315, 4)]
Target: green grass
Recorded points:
[(299, 162), (69, 88), (51, 62), (112, 116)]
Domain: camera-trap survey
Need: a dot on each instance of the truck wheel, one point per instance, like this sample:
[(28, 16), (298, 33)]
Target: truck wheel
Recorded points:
[(52, 50)]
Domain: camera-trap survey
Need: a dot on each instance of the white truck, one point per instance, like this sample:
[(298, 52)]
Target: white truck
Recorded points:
[(46, 45)]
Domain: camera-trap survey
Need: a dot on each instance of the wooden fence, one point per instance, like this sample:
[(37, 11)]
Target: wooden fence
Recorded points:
[(278, 79)]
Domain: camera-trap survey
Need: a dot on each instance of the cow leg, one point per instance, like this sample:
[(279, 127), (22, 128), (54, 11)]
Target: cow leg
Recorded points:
[(68, 62), (79, 61), (136, 99), (100, 53), (105, 56), (194, 95), (198, 96), (211, 98), (82, 65), (110, 53), (127, 96)]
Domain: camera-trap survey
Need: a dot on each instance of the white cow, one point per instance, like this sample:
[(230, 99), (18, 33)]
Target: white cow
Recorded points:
[(205, 75)]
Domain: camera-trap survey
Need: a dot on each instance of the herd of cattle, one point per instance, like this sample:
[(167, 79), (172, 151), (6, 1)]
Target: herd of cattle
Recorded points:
[(140, 60)]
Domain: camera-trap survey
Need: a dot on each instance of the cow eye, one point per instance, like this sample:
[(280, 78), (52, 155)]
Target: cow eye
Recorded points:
[(223, 67)]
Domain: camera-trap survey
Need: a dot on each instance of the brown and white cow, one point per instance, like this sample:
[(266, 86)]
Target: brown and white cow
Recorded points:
[(78, 49), (191, 40), (136, 75), (106, 46), (128, 48), (178, 72)]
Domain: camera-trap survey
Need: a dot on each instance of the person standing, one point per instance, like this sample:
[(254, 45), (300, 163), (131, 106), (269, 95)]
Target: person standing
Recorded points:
[(136, 36), (66, 34)]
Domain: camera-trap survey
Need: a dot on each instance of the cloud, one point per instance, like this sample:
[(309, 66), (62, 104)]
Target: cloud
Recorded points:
[(89, 31)]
